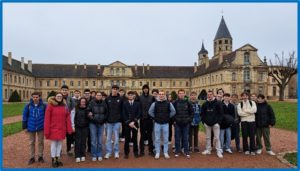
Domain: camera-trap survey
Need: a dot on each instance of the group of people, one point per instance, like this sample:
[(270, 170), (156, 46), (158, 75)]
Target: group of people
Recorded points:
[(86, 121)]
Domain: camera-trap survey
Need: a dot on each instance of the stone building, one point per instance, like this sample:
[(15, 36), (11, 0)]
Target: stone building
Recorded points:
[(233, 70)]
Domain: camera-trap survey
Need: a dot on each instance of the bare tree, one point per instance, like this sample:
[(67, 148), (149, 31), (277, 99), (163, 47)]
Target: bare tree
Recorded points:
[(282, 71)]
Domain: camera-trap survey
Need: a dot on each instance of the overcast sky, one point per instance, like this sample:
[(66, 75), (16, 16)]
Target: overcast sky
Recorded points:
[(150, 33)]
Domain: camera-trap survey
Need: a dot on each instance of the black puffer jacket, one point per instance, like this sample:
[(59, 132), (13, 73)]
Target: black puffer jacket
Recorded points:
[(228, 118), (212, 112), (114, 105), (184, 112), (264, 115), (99, 111), (146, 100), (81, 117)]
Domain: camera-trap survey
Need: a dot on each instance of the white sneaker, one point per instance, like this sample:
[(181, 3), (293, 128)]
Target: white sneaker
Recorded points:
[(156, 156), (99, 158), (219, 154), (271, 153), (205, 152), (82, 159), (146, 142), (94, 159), (253, 153), (77, 160), (117, 155), (131, 144), (228, 151), (169, 142), (107, 156), (122, 139), (258, 151), (247, 152), (166, 156), (72, 145)]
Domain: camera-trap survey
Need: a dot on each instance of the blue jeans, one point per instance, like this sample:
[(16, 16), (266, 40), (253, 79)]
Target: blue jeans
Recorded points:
[(158, 128), (96, 132), (225, 145), (181, 133), (112, 128)]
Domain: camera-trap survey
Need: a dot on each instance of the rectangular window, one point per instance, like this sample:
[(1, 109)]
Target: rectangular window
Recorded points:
[(174, 83), (233, 89), (94, 83), (5, 78), (5, 93), (55, 83), (48, 83), (260, 76), (187, 83), (71, 83), (141, 83), (78, 84), (160, 84), (41, 83), (19, 80), (63, 82), (153, 84), (133, 83), (180, 83), (15, 79), (86, 83), (260, 90)]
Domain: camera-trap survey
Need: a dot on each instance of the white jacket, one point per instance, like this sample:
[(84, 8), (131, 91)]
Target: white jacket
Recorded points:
[(247, 113)]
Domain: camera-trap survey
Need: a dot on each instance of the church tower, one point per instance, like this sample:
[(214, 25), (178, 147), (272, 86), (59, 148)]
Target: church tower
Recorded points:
[(223, 40)]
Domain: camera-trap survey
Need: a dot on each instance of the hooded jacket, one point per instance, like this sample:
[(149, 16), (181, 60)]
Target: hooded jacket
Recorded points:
[(33, 116), (146, 100), (212, 112), (57, 120)]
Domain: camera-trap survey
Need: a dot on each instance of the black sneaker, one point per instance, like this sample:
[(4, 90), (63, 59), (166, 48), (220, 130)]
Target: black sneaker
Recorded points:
[(54, 164), (58, 162), (31, 161), (197, 150), (41, 160)]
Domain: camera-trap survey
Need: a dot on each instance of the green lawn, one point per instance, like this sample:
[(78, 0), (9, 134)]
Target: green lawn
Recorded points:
[(291, 157), (12, 128), (13, 109), (286, 115)]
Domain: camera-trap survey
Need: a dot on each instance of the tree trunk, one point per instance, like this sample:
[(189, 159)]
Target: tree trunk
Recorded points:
[(281, 93)]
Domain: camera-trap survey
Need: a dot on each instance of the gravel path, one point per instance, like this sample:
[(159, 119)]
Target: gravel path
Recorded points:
[(15, 155), (12, 119)]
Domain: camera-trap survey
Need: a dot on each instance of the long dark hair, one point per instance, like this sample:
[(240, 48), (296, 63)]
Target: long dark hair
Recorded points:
[(82, 98)]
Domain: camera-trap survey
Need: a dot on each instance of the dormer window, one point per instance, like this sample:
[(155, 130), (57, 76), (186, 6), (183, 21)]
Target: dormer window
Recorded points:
[(246, 58)]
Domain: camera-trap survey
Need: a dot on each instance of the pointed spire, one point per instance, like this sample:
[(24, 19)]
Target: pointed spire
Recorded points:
[(203, 50), (223, 31)]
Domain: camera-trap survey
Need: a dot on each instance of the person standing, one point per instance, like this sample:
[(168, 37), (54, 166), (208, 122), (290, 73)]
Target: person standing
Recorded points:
[(98, 113), (56, 125), (194, 126), (87, 95), (246, 110), (81, 127), (115, 105), (264, 119), (183, 118), (71, 106), (131, 114), (235, 129), (33, 123), (146, 122), (212, 115), (228, 120), (171, 123), (122, 134), (76, 97), (161, 111)]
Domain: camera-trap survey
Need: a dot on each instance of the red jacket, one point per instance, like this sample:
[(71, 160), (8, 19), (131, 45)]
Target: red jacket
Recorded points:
[(57, 121)]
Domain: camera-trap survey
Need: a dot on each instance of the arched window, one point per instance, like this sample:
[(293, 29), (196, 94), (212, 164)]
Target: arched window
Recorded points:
[(247, 58), (246, 74), (233, 76)]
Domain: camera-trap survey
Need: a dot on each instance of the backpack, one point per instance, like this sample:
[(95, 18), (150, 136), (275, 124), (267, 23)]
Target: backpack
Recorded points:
[(28, 106), (249, 102)]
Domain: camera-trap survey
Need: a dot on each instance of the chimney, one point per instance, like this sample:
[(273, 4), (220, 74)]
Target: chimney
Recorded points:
[(29, 67), (148, 67), (195, 67), (75, 66), (9, 58), (265, 60), (84, 66), (135, 67), (99, 66), (143, 68), (206, 62), (221, 58), (22, 63)]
